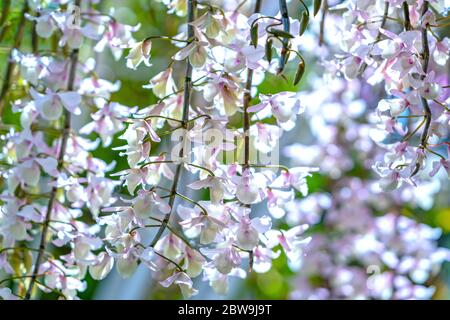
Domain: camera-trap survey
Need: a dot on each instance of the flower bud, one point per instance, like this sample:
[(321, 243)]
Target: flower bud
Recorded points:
[(304, 22), (254, 35), (317, 5)]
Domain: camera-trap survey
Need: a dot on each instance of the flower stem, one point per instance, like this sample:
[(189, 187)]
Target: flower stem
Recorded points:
[(322, 22), (17, 248), (155, 162), (286, 28), (169, 260), (246, 104), (193, 202), (169, 38), (34, 37), (425, 54), (268, 166), (407, 23), (409, 135), (19, 277), (201, 168), (185, 119), (204, 212)]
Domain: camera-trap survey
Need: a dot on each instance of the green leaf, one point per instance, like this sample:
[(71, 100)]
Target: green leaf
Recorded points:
[(280, 33), (317, 5), (254, 35), (304, 22)]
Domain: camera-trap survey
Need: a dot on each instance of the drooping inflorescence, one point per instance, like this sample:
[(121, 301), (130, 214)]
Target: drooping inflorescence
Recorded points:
[(53, 186), (54, 181), (220, 51), (370, 242), (396, 45), (206, 194)]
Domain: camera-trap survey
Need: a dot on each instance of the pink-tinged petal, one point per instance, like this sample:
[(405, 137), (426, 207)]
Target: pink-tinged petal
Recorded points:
[(152, 133), (132, 181), (167, 172), (252, 54), (30, 214), (164, 207), (197, 185), (185, 52), (263, 224), (115, 209), (88, 128), (389, 34), (258, 107), (436, 166), (49, 107), (49, 165), (297, 231), (102, 267), (185, 213), (169, 281), (446, 165), (71, 101)]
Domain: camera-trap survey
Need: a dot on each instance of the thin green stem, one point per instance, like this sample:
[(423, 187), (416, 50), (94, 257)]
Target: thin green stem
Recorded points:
[(425, 54), (185, 118), (20, 277), (436, 153), (409, 135), (285, 41), (322, 22), (169, 260), (268, 166), (155, 162), (202, 168), (168, 38), (193, 202), (407, 21)]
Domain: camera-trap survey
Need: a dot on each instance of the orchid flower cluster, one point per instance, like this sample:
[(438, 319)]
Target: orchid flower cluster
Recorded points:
[(398, 44), (56, 188), (52, 185), (363, 246), (203, 195), (221, 50), (367, 243)]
